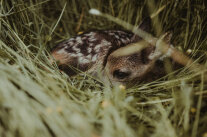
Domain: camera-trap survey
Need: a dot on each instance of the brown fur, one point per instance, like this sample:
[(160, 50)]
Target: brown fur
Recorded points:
[(113, 52)]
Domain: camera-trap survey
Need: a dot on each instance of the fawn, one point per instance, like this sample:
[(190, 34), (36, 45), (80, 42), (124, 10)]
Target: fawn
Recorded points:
[(99, 50)]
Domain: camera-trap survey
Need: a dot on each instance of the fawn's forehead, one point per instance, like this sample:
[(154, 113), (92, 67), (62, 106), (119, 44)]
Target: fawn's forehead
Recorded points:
[(133, 55), (125, 60), (130, 49)]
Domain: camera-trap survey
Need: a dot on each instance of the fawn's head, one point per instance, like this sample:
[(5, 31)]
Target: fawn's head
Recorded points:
[(133, 61), (123, 67)]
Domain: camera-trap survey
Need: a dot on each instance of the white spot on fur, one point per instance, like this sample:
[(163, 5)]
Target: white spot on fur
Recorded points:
[(79, 40), (91, 44), (89, 56), (76, 49), (116, 36), (105, 43), (89, 50), (70, 42), (111, 33), (94, 58), (90, 34), (73, 55), (92, 39), (61, 51), (83, 38), (79, 55), (97, 47), (83, 60), (102, 44), (123, 40)]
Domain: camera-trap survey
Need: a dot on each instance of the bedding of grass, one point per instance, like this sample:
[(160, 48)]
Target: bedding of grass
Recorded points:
[(38, 100)]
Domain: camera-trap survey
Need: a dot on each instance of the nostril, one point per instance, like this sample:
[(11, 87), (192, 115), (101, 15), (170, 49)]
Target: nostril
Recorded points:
[(120, 74)]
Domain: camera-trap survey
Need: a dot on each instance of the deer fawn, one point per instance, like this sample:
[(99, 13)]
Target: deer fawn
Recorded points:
[(100, 50)]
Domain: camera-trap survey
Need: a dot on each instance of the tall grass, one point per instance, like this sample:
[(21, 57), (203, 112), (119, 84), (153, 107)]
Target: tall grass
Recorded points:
[(38, 100)]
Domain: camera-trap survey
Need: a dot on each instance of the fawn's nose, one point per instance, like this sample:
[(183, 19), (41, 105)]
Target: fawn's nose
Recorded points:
[(121, 74)]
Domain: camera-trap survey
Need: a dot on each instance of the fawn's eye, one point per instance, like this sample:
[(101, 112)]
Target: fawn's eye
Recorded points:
[(120, 74)]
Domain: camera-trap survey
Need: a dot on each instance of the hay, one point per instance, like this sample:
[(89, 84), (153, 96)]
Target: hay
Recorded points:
[(37, 100)]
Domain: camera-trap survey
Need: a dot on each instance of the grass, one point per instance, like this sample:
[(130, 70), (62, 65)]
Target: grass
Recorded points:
[(37, 100)]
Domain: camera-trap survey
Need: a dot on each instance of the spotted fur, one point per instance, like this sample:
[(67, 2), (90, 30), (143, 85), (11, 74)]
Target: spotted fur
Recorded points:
[(87, 49), (95, 50)]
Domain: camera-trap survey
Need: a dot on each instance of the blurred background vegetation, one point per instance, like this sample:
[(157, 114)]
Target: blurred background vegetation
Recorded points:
[(37, 100)]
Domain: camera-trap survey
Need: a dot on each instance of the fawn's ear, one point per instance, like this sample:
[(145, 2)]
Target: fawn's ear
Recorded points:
[(167, 37), (145, 25)]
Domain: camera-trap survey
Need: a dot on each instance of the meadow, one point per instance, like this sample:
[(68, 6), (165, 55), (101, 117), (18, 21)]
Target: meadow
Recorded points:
[(36, 99)]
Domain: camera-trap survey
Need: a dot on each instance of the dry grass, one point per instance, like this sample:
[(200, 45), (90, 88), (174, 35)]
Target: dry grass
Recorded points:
[(37, 100)]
